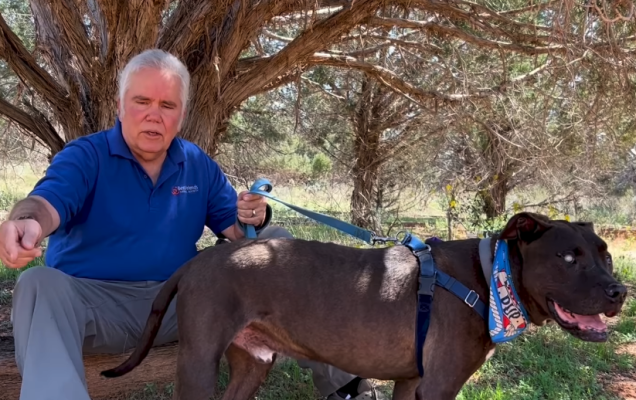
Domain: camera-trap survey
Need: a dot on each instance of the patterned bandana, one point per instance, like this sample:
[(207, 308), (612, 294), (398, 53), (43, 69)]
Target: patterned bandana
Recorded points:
[(507, 318)]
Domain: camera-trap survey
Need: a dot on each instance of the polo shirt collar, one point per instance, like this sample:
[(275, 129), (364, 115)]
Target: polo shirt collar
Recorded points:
[(118, 146)]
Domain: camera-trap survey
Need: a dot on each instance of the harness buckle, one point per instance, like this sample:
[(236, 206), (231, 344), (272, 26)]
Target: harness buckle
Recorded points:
[(476, 297), (427, 285)]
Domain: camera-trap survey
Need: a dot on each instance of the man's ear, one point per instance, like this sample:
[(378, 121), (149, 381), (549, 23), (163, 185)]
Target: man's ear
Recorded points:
[(525, 226)]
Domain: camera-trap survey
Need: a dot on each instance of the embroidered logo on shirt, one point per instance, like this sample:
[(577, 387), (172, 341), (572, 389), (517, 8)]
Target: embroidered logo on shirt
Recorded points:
[(177, 190)]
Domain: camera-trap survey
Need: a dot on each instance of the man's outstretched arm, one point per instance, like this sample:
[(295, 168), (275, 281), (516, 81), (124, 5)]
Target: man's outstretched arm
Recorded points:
[(37, 208)]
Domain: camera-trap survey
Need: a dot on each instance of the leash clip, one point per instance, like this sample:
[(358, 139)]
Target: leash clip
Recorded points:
[(383, 240)]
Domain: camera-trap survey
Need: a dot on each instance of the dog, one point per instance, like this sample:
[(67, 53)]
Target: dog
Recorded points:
[(356, 308)]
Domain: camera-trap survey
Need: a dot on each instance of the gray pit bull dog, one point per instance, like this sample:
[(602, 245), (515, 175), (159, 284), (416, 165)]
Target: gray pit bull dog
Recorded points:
[(356, 308)]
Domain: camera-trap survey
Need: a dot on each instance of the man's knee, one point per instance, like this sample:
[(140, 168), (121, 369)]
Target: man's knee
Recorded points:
[(39, 284), (275, 232), (41, 279)]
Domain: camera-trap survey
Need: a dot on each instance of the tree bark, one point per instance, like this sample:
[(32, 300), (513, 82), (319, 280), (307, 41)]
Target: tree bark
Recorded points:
[(494, 199), (366, 147), (499, 166)]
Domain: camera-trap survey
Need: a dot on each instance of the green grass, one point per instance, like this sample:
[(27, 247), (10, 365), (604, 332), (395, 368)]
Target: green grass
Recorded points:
[(549, 364)]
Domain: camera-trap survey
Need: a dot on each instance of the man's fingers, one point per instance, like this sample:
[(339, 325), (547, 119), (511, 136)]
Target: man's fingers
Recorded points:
[(19, 263), (32, 232), (10, 253), (246, 216), (16, 255)]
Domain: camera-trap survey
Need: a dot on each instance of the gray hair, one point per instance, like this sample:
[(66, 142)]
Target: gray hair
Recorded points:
[(156, 59)]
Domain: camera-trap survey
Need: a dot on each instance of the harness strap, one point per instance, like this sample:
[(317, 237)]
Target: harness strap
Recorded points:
[(430, 277), (469, 296), (485, 256), (427, 281)]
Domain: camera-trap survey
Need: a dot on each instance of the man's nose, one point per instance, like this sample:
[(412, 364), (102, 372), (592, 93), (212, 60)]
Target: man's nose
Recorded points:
[(154, 113)]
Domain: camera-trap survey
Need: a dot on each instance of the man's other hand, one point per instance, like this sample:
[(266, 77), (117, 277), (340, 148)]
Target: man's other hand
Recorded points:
[(19, 242)]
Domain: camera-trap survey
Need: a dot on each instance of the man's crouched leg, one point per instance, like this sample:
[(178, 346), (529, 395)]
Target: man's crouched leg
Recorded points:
[(48, 328), (56, 318), (330, 381)]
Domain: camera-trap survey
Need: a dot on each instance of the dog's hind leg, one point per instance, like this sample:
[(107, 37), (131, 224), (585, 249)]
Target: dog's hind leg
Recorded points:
[(246, 374), (405, 390), (197, 372)]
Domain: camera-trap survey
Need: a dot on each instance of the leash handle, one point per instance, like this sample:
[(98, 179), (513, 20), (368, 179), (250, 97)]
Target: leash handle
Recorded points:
[(345, 227), (257, 188)]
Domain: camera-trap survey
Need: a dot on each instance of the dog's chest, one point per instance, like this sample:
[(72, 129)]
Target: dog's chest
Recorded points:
[(261, 347)]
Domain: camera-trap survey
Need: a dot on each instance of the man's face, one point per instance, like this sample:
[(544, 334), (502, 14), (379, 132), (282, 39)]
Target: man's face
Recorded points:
[(152, 112)]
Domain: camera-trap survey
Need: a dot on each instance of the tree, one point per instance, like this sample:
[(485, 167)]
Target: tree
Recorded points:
[(69, 79)]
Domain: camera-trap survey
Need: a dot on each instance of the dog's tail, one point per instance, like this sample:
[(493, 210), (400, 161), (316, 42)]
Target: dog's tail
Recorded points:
[(159, 308)]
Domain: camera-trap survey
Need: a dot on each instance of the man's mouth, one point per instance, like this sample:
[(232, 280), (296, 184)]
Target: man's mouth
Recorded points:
[(590, 328), (152, 133)]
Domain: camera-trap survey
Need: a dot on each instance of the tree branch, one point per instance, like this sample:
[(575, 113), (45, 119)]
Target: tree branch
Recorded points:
[(71, 32), (36, 125), (390, 79), (310, 41), (459, 34), (25, 67)]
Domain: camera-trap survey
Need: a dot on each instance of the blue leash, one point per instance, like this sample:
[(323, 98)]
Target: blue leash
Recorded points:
[(355, 231), (430, 276)]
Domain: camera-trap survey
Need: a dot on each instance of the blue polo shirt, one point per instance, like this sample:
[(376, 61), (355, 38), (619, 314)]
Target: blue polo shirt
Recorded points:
[(115, 225)]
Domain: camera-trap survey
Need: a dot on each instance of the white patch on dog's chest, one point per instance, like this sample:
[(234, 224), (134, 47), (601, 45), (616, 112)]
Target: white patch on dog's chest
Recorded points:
[(255, 344), (490, 354)]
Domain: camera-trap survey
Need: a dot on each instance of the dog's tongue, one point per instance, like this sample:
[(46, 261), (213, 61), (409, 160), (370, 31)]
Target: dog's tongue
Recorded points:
[(584, 322)]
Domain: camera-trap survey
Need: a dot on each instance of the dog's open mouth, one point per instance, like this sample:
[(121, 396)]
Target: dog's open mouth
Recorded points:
[(590, 328)]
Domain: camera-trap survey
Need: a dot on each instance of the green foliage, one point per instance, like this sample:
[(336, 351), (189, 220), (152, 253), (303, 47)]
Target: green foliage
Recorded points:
[(321, 165)]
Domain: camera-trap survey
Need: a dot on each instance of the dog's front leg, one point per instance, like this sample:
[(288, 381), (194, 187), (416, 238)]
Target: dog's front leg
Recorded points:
[(246, 374), (405, 390)]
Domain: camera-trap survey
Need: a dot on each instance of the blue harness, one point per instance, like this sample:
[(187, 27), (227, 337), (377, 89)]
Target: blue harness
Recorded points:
[(430, 276)]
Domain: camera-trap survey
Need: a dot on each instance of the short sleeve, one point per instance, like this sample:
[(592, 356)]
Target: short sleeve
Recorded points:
[(222, 211), (69, 179)]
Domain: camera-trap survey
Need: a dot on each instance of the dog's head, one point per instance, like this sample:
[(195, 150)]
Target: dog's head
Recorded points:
[(563, 272)]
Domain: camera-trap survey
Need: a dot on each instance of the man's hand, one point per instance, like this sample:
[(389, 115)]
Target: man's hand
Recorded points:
[(251, 208), (19, 242)]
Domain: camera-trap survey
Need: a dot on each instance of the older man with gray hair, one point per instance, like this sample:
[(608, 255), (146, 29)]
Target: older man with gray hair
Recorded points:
[(123, 209)]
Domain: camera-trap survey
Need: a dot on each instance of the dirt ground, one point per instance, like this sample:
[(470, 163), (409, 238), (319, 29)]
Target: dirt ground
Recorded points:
[(622, 385), (5, 309)]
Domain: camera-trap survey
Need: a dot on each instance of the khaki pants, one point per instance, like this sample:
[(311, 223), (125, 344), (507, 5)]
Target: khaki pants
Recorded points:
[(57, 318)]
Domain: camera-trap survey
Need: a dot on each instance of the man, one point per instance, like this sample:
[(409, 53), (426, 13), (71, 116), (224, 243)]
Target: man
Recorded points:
[(123, 209)]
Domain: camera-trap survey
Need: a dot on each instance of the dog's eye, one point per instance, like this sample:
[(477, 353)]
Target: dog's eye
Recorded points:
[(568, 257)]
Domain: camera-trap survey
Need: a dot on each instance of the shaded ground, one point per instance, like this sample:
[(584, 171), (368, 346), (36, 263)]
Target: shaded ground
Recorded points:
[(5, 308)]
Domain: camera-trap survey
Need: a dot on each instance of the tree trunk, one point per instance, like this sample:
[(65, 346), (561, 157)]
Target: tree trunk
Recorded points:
[(499, 168), (494, 199), (367, 152)]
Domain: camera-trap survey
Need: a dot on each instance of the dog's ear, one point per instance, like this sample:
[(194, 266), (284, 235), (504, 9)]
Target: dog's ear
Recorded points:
[(586, 224), (525, 226)]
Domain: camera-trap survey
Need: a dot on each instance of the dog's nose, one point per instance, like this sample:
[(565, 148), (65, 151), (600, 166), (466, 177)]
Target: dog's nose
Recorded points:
[(616, 292)]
